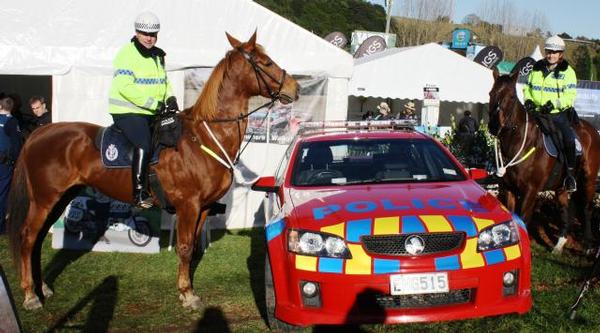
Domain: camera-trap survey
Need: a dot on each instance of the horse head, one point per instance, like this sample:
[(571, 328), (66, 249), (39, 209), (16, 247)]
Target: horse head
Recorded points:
[(268, 79), (503, 99)]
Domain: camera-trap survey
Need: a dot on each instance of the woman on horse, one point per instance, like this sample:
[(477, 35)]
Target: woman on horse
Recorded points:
[(550, 89), (139, 92)]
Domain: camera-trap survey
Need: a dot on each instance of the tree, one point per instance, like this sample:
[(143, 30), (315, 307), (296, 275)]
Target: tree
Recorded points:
[(471, 19), (582, 62), (564, 35)]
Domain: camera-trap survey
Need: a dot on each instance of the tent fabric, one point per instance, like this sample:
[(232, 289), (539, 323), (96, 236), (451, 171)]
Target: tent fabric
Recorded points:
[(52, 37), (404, 72)]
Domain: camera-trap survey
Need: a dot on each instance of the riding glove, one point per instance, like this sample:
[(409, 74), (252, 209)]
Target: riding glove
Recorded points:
[(160, 107), (529, 105), (172, 104), (547, 108)]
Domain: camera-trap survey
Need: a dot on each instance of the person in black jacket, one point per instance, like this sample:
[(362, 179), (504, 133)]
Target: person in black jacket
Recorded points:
[(10, 146), (40, 115)]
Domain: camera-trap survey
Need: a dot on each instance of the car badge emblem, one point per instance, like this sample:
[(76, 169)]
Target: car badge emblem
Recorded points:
[(414, 245)]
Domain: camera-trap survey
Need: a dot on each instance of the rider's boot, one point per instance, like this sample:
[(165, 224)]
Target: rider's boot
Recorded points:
[(570, 184), (139, 175)]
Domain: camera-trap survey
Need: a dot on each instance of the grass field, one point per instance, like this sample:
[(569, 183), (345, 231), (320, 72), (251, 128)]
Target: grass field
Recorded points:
[(121, 292)]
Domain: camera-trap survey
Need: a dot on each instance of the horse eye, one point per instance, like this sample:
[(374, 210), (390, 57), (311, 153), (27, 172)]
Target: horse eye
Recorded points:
[(269, 63)]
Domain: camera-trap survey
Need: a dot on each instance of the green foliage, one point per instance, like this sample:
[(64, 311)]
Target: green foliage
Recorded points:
[(474, 151), (323, 17), (583, 61)]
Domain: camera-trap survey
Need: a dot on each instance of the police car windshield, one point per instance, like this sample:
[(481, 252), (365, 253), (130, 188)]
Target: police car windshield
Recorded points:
[(366, 161)]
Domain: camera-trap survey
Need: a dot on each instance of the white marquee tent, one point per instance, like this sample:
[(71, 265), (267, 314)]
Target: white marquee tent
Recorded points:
[(402, 73), (75, 41)]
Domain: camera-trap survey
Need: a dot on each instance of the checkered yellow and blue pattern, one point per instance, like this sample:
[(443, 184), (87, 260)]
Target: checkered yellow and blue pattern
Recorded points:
[(363, 264)]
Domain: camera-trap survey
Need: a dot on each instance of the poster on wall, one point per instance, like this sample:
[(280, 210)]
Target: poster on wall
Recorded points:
[(431, 95), (431, 106), (93, 221), (284, 119)]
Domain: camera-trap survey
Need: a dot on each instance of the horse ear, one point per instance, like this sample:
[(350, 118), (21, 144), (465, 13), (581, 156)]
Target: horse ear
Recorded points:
[(496, 73), (252, 41), (514, 77), (234, 42)]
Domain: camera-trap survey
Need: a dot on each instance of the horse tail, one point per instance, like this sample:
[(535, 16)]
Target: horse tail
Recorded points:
[(17, 208)]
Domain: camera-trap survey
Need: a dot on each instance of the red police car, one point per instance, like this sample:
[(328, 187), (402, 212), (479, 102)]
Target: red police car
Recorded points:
[(374, 222)]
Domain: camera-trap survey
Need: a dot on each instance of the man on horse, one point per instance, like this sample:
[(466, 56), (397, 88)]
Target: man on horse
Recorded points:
[(139, 91), (550, 89)]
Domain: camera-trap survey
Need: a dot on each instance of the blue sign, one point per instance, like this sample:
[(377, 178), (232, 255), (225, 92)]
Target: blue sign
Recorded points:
[(461, 38)]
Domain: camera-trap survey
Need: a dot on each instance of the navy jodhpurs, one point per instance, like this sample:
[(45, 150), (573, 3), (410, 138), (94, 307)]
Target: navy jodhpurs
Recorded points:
[(136, 128)]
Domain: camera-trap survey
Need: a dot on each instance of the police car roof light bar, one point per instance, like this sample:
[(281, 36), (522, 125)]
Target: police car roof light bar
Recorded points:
[(332, 125)]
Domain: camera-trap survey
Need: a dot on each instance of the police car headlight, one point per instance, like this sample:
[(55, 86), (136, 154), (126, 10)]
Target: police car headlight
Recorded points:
[(498, 236), (317, 244)]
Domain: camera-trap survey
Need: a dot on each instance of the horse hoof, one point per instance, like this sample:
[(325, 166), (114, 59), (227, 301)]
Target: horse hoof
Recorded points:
[(46, 291), (193, 302), (32, 304)]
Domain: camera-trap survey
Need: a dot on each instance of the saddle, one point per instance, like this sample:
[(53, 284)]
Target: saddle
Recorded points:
[(553, 151)]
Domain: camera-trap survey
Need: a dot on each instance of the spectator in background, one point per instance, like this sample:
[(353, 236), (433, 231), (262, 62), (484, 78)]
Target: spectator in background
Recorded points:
[(409, 111), (368, 115), (10, 146), (465, 132), (384, 112), (40, 115)]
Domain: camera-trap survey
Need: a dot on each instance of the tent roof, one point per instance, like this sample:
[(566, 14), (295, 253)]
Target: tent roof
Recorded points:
[(404, 72), (51, 37)]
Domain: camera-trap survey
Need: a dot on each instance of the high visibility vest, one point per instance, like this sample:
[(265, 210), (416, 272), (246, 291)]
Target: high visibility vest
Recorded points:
[(138, 84), (556, 87)]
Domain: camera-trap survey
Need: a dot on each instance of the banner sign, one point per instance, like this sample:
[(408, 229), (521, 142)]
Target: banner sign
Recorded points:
[(431, 95), (489, 57), (337, 38), (371, 45), (360, 36), (524, 67), (461, 38)]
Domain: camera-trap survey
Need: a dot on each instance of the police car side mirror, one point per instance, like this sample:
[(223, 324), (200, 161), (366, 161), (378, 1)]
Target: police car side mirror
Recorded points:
[(475, 173), (265, 184)]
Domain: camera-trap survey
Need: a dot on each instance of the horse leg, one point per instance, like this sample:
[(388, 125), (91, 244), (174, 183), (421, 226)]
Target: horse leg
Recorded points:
[(186, 232), (29, 234), (199, 226), (511, 202), (563, 201)]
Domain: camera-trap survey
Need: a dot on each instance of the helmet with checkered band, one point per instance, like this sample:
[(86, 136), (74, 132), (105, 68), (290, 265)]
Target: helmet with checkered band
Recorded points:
[(147, 22)]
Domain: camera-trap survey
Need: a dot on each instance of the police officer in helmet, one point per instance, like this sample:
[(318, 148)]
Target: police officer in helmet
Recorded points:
[(139, 91), (550, 89)]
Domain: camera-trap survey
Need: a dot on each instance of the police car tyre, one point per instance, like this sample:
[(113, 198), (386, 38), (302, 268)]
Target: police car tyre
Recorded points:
[(275, 324), (141, 235)]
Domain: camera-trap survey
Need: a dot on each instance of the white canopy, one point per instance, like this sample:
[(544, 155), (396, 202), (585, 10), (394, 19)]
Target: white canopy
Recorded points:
[(403, 73), (52, 37)]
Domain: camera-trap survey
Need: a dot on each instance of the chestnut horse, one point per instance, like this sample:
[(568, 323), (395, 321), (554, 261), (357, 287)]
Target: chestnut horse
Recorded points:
[(61, 156), (509, 123)]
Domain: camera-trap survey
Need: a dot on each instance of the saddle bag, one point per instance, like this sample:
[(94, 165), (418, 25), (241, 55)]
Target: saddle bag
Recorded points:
[(169, 129)]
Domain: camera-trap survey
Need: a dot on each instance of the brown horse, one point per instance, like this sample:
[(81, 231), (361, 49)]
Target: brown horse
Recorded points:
[(509, 122), (61, 156)]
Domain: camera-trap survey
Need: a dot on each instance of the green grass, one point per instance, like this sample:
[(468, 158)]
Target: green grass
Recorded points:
[(123, 292)]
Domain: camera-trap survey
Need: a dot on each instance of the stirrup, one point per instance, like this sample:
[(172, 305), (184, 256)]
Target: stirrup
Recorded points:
[(570, 184), (143, 201)]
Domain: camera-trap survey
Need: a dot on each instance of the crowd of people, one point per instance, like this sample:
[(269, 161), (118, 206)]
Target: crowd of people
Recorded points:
[(385, 112)]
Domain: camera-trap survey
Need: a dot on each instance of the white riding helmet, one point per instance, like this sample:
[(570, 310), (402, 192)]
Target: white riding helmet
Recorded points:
[(147, 22), (554, 43)]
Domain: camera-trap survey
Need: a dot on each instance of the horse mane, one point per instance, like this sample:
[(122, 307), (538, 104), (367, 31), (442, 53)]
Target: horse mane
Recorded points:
[(206, 105)]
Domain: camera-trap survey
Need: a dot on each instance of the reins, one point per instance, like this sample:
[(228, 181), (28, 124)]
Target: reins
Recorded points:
[(500, 166), (275, 95)]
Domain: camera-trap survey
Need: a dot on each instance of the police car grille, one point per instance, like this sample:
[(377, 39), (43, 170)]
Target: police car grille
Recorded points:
[(394, 244), (458, 296)]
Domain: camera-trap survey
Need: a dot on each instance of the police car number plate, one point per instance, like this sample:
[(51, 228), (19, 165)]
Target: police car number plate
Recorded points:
[(421, 283)]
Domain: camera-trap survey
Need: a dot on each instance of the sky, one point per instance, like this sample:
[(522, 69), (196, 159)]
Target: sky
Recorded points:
[(575, 17)]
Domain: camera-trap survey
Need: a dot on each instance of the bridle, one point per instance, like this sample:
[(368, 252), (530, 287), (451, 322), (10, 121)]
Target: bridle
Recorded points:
[(500, 166)]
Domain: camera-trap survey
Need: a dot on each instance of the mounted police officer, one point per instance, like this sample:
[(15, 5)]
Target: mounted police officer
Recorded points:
[(550, 89), (139, 91)]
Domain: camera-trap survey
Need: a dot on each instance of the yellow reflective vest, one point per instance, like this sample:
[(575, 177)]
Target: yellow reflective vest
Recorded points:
[(138, 84), (558, 86)]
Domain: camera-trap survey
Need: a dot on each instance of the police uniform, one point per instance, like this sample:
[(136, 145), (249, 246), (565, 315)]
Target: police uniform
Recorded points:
[(10, 146)]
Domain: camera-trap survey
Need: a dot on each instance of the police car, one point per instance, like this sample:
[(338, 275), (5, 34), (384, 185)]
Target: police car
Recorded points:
[(374, 222)]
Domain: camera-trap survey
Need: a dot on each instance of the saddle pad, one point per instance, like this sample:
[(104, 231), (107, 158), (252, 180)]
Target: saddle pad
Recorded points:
[(116, 150), (551, 148)]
